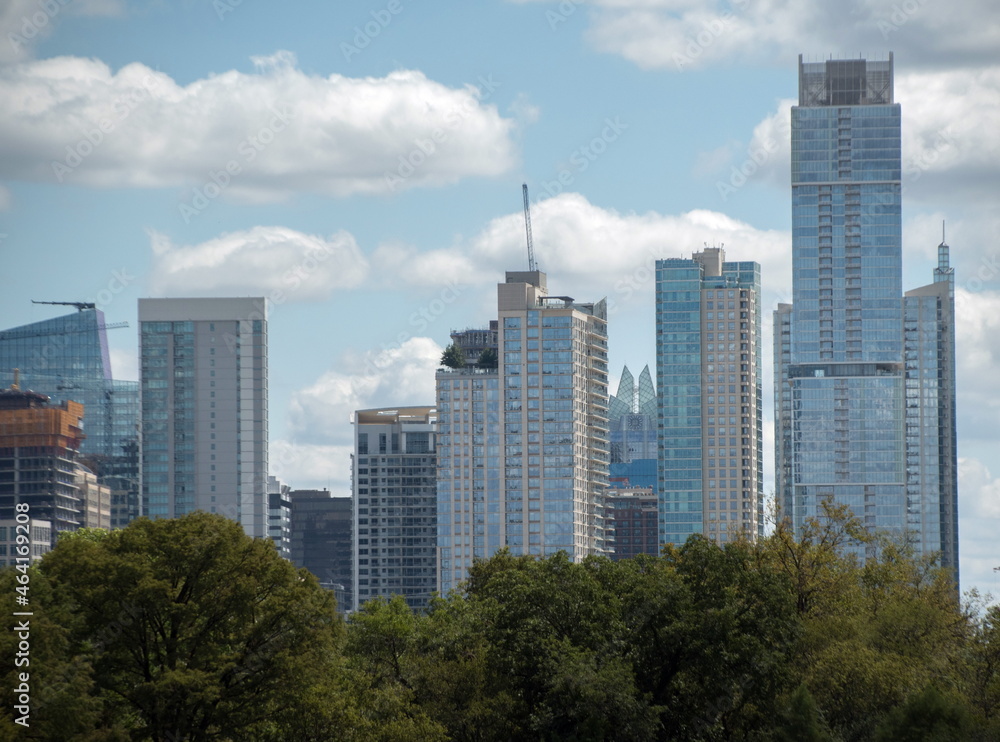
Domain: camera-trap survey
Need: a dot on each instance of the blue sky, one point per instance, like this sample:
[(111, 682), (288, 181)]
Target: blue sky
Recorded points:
[(362, 163)]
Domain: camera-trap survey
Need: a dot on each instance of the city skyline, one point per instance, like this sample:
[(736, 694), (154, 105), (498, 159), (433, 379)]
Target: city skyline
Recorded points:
[(633, 151)]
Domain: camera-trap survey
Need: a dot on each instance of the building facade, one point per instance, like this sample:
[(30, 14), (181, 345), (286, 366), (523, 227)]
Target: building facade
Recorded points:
[(321, 540), (710, 463), (523, 449), (632, 424), (633, 522), (203, 366), (39, 445), (39, 541), (931, 436), (395, 515), (279, 516), (66, 358), (864, 379)]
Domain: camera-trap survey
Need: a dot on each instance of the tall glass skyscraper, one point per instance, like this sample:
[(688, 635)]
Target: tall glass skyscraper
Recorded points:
[(66, 358), (523, 448), (708, 368), (840, 379), (632, 422)]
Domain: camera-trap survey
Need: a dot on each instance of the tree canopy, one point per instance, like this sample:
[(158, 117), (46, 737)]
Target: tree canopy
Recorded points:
[(188, 630)]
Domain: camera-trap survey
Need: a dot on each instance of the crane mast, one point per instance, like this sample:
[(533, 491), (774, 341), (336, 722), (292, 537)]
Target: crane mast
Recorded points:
[(527, 228)]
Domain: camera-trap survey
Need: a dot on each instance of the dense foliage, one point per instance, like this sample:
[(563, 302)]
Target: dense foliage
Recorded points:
[(187, 630)]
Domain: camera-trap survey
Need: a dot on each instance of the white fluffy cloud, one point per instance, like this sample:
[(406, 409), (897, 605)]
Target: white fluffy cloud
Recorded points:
[(595, 251), (311, 466), (950, 136), (402, 375), (979, 513), (690, 34), (977, 320), (256, 136), (278, 262)]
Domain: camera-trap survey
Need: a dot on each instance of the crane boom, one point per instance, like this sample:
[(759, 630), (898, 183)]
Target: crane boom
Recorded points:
[(80, 305), (527, 228)]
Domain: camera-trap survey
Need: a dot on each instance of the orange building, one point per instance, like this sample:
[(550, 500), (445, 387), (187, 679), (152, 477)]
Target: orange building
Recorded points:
[(38, 450)]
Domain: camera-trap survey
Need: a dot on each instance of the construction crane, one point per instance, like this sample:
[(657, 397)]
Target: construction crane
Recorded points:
[(527, 229), (80, 305)]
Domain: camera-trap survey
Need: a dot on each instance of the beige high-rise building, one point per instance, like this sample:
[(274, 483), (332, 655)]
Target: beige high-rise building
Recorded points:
[(708, 330), (95, 500), (523, 447)]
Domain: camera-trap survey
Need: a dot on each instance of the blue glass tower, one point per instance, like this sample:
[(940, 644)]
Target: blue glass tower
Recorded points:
[(633, 432), (708, 369), (66, 358), (841, 382), (841, 385)]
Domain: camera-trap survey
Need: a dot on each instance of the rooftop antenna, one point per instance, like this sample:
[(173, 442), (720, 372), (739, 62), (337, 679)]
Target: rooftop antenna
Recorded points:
[(527, 228)]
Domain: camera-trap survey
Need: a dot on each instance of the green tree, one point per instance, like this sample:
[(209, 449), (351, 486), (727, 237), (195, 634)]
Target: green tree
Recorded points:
[(800, 720), (488, 359), (453, 357), (194, 630), (929, 716)]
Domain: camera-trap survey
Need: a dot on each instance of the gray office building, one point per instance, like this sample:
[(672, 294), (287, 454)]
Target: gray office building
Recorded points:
[(395, 515), (203, 368)]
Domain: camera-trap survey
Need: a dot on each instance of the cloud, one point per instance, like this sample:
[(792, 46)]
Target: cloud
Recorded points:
[(259, 136), (682, 35), (979, 511), (977, 339), (311, 466), (950, 144), (595, 251), (275, 261), (402, 375), (23, 23)]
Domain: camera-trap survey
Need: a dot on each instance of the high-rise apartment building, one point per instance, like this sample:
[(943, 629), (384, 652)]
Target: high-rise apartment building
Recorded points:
[(633, 522), (523, 448), (321, 540), (852, 420), (66, 358), (39, 444), (203, 367), (931, 437), (395, 513), (709, 385)]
